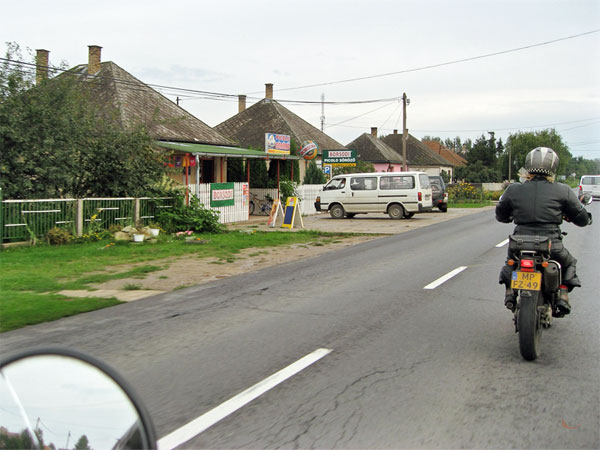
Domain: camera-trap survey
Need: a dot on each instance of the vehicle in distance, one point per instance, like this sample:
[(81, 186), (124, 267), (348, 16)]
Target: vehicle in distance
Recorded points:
[(590, 184), (439, 195), (399, 194)]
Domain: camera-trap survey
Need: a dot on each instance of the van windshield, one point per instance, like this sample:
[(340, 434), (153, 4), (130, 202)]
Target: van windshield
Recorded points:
[(336, 183)]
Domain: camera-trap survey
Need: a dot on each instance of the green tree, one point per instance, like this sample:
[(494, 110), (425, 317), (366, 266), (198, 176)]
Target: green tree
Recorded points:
[(57, 140), (258, 173), (314, 175), (82, 444), (483, 150), (519, 144), (235, 170)]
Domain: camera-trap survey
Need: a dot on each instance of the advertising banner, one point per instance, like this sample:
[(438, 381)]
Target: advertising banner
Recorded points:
[(277, 144), (339, 158), (221, 194)]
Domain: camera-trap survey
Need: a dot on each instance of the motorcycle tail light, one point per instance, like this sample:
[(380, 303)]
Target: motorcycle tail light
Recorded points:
[(527, 265)]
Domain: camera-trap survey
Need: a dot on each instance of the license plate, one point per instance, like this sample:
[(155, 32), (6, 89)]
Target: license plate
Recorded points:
[(530, 281)]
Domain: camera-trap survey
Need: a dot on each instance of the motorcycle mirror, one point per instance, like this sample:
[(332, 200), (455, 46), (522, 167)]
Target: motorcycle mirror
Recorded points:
[(586, 199), (63, 399)]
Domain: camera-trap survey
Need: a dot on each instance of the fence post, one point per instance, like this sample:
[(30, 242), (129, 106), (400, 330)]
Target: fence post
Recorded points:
[(1, 219), (136, 211), (79, 217)]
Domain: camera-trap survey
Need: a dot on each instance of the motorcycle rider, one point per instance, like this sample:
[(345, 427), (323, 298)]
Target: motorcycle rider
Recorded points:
[(537, 207)]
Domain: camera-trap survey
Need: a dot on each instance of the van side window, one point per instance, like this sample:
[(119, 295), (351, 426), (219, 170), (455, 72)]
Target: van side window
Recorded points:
[(363, 184), (336, 183), (397, 182)]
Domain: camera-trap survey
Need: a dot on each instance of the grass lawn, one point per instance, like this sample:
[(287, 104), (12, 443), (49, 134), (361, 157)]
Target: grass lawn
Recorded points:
[(470, 205), (30, 277)]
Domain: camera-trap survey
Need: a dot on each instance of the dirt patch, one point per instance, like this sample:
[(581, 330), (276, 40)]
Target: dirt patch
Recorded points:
[(190, 270)]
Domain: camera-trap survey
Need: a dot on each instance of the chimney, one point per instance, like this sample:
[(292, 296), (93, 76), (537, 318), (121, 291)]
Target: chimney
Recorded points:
[(241, 103), (395, 131), (94, 59), (374, 131), (41, 69), (269, 90)]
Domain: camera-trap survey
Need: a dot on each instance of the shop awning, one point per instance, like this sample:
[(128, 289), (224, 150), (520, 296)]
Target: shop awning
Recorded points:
[(220, 151)]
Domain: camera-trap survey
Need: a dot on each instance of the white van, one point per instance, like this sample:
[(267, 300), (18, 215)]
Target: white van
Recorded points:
[(590, 184), (399, 194)]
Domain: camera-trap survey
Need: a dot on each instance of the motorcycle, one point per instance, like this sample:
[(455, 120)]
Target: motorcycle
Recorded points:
[(535, 280), (72, 398)]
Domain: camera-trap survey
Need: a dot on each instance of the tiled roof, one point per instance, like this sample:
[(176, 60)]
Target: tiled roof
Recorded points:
[(417, 153), (371, 149), (137, 103), (452, 157), (248, 127)]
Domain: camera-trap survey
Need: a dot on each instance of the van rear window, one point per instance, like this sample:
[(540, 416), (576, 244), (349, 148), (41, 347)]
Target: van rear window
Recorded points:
[(590, 180), (424, 179), (397, 182)]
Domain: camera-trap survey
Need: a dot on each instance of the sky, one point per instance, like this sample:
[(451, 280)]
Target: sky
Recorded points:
[(236, 46)]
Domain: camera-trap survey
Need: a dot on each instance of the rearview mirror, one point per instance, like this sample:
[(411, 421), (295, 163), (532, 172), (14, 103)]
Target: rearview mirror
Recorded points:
[(62, 399), (586, 199)]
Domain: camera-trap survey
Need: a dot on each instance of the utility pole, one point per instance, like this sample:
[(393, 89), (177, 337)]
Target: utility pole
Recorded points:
[(405, 101), (322, 111)]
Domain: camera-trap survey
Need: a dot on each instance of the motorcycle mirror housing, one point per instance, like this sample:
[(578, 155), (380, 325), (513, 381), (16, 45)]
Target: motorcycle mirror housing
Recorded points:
[(53, 396), (586, 199)]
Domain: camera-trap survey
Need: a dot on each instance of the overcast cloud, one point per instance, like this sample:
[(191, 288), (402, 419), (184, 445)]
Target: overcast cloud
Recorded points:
[(236, 46)]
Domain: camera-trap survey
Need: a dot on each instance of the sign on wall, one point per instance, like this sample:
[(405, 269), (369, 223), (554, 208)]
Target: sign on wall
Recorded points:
[(277, 144), (221, 194), (339, 158)]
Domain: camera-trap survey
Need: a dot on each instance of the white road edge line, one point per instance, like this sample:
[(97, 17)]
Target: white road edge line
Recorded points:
[(445, 278), (198, 425), (503, 243)]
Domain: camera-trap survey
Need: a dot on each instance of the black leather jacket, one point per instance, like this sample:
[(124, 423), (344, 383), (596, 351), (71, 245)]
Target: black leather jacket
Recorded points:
[(537, 207)]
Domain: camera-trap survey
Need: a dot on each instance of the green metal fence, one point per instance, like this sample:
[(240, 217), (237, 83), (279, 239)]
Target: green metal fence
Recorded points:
[(20, 220)]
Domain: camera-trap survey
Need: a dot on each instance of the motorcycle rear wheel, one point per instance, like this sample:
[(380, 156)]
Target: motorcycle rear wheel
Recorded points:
[(529, 325)]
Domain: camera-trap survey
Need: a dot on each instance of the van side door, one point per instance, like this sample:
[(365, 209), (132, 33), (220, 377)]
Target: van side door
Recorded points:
[(362, 196)]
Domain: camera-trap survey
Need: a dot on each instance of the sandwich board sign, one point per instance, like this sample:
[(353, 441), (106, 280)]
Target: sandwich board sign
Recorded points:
[(291, 214), (275, 210)]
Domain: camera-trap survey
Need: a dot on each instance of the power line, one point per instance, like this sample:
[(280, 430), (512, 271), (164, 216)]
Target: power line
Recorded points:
[(200, 95), (432, 66)]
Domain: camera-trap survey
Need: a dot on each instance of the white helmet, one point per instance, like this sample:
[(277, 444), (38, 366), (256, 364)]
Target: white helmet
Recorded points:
[(541, 160)]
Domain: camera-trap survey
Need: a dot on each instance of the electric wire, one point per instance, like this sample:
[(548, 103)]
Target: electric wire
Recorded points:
[(432, 66)]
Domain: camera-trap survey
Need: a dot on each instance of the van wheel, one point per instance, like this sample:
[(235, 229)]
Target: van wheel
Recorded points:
[(396, 211), (337, 212), (408, 215)]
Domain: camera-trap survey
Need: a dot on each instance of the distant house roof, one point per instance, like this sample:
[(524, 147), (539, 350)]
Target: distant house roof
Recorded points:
[(137, 103), (452, 157), (249, 126), (371, 149), (417, 153)]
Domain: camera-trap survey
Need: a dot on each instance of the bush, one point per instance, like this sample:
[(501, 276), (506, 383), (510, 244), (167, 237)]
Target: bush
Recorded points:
[(287, 189), (464, 192), (58, 236), (192, 217)]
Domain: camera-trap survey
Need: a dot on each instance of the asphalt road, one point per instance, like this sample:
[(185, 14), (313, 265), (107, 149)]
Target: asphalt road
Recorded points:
[(409, 367)]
